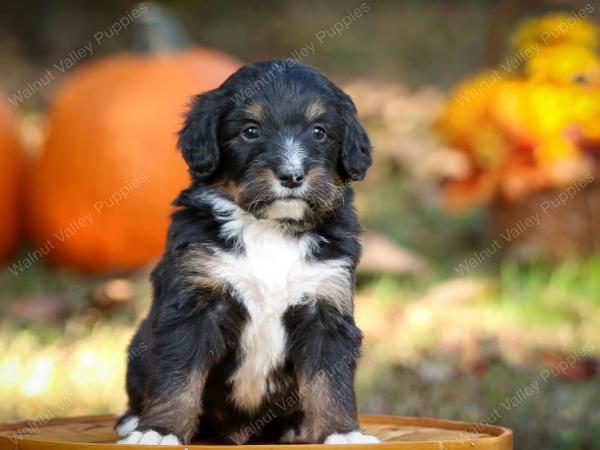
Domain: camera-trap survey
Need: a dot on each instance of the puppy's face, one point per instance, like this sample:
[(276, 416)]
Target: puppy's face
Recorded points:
[(279, 138)]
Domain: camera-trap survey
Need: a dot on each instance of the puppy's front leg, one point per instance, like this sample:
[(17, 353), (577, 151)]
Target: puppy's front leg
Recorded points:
[(325, 346), (185, 345)]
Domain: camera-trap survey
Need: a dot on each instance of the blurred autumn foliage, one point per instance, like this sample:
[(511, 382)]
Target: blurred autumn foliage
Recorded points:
[(533, 123)]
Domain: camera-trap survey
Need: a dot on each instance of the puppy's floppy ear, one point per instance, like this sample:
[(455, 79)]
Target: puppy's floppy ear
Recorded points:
[(198, 139), (356, 146)]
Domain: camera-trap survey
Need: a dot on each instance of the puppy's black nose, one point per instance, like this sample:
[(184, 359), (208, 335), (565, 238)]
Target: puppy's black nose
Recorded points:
[(291, 179)]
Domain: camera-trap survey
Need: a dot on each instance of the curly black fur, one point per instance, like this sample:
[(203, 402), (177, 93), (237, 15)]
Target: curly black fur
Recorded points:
[(183, 384)]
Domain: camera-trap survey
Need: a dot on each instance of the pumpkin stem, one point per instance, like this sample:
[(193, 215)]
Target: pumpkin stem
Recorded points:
[(159, 30)]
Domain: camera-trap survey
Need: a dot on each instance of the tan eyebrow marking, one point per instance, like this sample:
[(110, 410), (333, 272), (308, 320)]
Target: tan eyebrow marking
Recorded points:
[(314, 110), (256, 111)]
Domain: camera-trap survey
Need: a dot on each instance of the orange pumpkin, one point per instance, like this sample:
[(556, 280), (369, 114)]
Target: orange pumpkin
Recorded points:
[(102, 187), (10, 180)]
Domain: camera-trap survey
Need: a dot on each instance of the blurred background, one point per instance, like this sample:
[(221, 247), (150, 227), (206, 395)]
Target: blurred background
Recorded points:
[(479, 289)]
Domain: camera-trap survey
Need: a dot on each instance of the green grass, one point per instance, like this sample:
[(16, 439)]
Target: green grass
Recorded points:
[(535, 294), (526, 294)]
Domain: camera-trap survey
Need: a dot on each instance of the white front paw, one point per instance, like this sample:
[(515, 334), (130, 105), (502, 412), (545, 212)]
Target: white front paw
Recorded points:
[(127, 426), (294, 436), (354, 437), (150, 437)]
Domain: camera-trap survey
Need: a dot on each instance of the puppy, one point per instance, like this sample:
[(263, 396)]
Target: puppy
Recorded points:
[(251, 335)]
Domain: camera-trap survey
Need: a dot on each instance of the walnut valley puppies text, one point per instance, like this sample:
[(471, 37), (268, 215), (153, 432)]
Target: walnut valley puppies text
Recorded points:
[(76, 55), (73, 226)]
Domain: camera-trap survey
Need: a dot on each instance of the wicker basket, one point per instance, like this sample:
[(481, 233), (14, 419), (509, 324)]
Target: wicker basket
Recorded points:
[(549, 226), (406, 433)]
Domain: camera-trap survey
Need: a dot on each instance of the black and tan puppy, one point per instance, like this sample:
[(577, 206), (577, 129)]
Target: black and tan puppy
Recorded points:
[(251, 335)]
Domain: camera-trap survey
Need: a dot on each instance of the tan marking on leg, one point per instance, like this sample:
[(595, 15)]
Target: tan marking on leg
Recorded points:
[(179, 411), (324, 414)]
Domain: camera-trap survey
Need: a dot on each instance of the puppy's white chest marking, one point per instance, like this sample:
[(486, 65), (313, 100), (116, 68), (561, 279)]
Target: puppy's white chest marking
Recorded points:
[(272, 273)]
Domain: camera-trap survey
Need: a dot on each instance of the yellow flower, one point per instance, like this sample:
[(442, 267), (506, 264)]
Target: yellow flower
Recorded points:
[(543, 113), (528, 131), (468, 104), (556, 29), (565, 64)]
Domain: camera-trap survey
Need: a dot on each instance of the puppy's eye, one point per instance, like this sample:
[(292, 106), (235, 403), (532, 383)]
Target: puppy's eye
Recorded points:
[(580, 79), (319, 134), (251, 133)]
